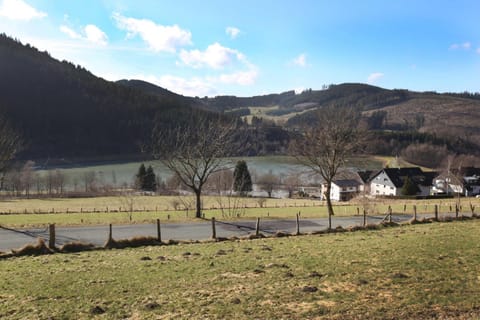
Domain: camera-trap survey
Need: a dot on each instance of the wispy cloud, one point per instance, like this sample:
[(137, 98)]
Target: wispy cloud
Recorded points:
[(232, 32), (19, 10), (70, 32), (95, 35), (215, 56), (478, 50), (243, 78), (189, 87), (236, 69), (202, 85), (465, 46), (300, 61), (374, 77), (158, 37), (90, 33)]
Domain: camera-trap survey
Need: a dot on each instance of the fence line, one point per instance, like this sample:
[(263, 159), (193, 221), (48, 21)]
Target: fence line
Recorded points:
[(258, 230)]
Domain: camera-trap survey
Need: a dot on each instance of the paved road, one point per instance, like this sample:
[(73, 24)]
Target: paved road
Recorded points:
[(14, 239)]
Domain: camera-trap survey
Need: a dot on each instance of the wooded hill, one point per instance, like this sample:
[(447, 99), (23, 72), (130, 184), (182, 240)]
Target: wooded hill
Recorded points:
[(63, 110), (422, 127)]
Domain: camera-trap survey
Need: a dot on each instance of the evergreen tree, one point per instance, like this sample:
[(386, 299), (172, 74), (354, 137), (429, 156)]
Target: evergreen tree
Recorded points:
[(242, 180), (140, 177), (150, 180), (409, 187)]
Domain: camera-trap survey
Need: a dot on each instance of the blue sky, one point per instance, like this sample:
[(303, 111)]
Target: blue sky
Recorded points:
[(245, 48)]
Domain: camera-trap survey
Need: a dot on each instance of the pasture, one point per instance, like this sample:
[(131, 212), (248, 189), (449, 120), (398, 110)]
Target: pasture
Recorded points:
[(146, 209), (412, 272)]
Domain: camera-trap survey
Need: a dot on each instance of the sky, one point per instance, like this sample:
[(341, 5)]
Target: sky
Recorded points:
[(254, 47)]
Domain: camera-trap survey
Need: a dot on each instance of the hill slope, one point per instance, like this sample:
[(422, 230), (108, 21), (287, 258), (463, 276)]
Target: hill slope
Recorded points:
[(62, 110)]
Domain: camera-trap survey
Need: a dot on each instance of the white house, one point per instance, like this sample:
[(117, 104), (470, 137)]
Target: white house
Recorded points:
[(465, 181), (447, 184), (390, 181), (343, 190)]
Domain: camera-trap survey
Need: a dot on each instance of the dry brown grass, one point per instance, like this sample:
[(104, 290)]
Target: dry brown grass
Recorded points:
[(76, 247), (33, 249)]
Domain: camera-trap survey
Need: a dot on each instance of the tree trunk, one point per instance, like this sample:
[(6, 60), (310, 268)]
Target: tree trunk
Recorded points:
[(198, 193), (329, 205)]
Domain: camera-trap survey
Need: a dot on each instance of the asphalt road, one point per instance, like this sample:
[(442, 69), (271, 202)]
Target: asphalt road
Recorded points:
[(97, 235)]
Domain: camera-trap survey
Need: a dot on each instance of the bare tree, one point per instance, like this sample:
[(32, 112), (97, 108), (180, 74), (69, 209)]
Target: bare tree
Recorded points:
[(27, 177), (127, 202), (326, 144), (59, 181), (39, 182), (90, 181), (9, 145), (221, 184), (293, 181), (268, 182), (195, 151)]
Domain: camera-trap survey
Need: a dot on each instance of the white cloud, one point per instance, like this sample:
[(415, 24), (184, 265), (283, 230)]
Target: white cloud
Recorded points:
[(95, 35), (374, 77), (232, 32), (465, 46), (243, 78), (198, 86), (70, 32), (189, 87), (19, 10), (301, 60), (90, 33), (158, 37), (215, 56)]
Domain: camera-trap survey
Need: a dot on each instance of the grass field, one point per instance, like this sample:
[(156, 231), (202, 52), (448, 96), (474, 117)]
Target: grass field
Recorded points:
[(429, 271), (105, 210)]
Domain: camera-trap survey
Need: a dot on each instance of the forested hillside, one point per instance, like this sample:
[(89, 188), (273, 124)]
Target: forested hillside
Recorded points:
[(63, 110)]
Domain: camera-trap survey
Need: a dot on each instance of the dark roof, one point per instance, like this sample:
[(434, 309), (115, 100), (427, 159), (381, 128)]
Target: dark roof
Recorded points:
[(346, 183), (428, 178), (365, 176), (469, 171), (398, 175)]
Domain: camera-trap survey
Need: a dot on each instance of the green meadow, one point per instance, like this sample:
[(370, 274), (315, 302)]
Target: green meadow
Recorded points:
[(146, 209), (427, 271)]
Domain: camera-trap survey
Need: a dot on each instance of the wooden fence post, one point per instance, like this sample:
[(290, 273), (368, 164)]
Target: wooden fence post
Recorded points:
[(414, 212), (472, 209), (159, 232), (364, 218), (214, 231), (51, 240), (436, 212), (110, 238), (257, 228), (389, 214), (298, 224), (456, 211)]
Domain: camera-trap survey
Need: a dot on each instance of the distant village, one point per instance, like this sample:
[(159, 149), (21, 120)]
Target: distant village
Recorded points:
[(391, 182)]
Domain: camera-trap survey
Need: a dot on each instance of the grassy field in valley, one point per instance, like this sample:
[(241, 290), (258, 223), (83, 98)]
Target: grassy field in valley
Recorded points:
[(429, 271), (105, 210)]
